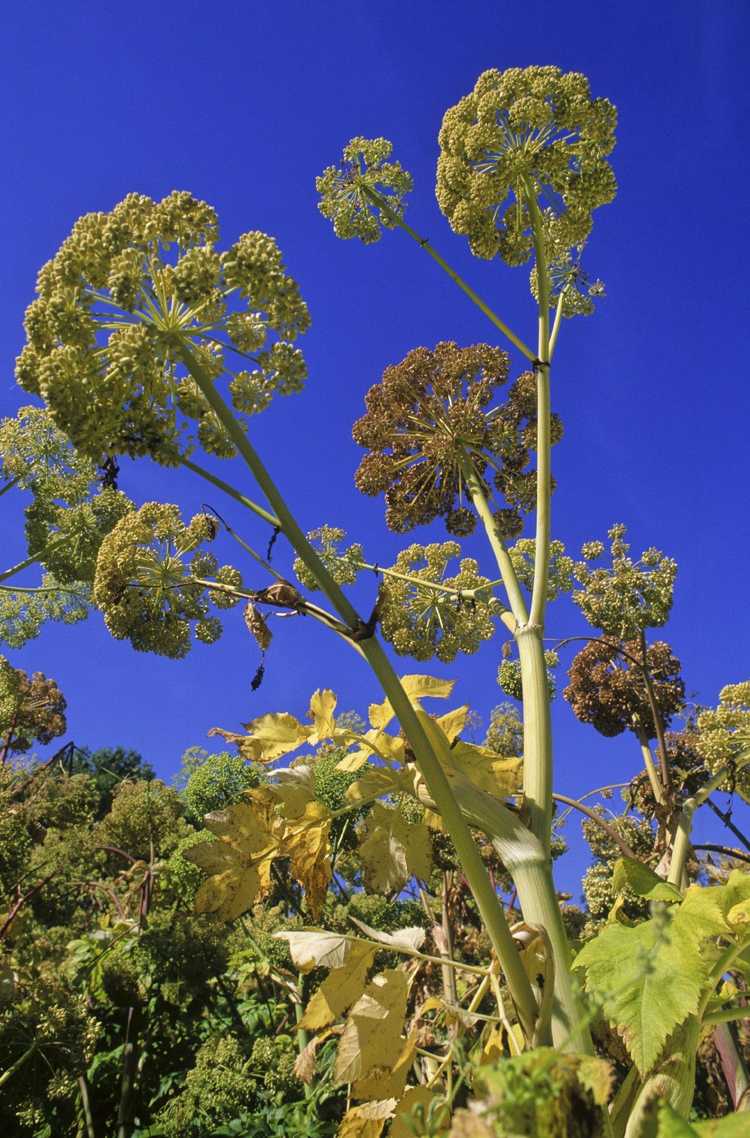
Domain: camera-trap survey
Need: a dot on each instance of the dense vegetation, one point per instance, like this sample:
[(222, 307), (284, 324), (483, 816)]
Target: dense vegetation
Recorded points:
[(349, 925)]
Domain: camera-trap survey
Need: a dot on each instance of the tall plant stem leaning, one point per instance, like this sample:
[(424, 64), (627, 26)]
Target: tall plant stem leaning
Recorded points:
[(476, 873)]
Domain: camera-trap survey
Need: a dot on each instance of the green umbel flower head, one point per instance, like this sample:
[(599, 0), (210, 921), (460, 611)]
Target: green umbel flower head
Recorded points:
[(428, 417), (423, 622), (126, 294), (148, 590), (341, 563), (724, 735), (628, 596), (365, 192), (523, 133)]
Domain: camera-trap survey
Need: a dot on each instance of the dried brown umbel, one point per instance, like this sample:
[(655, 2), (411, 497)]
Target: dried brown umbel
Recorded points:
[(429, 417), (608, 688)]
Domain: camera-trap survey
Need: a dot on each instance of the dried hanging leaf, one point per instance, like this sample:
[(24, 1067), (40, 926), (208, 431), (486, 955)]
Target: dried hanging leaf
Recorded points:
[(304, 1064), (372, 1036), (340, 989), (393, 850), (256, 625), (366, 1121), (411, 938)]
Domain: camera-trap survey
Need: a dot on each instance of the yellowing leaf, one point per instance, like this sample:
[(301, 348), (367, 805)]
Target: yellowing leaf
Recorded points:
[(304, 1064), (494, 1046), (487, 770), (388, 1081), (453, 723), (322, 707), (379, 780), (372, 1036), (393, 850), (642, 880), (366, 1121), (340, 988), (274, 735), (307, 844), (416, 1103), (739, 915), (229, 894), (416, 688), (295, 787)]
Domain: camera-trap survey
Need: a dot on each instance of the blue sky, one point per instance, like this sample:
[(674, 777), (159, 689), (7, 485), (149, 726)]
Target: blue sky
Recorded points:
[(243, 104)]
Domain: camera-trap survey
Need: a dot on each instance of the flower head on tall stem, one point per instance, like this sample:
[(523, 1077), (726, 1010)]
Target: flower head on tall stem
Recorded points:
[(343, 190), (525, 132), (429, 417), (124, 294)]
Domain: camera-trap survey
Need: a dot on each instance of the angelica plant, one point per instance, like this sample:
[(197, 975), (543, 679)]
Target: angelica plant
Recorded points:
[(148, 339)]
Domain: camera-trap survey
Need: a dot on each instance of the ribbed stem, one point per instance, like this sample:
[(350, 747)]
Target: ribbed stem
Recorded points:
[(537, 734), (474, 868)]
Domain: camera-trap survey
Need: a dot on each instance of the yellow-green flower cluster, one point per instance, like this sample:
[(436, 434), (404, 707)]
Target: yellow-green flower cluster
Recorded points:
[(38, 457), (566, 276), (509, 675), (342, 564), (126, 294), (343, 190), (724, 735), (67, 538), (521, 133), (561, 566), (628, 596), (149, 592), (22, 613), (423, 622)]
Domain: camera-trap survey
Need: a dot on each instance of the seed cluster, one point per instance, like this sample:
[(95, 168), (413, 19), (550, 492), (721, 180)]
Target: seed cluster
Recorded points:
[(521, 132), (365, 165), (32, 709), (609, 690), (127, 292), (423, 622), (146, 590), (627, 596), (429, 417)]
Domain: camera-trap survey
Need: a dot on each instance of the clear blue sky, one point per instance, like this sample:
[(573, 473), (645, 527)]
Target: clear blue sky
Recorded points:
[(243, 104)]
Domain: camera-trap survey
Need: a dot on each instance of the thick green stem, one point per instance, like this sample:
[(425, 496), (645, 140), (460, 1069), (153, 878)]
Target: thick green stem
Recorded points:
[(543, 427), (396, 218), (8, 1074), (681, 843), (476, 872), (648, 763), (508, 574), (537, 734), (733, 1066), (14, 569), (227, 488)]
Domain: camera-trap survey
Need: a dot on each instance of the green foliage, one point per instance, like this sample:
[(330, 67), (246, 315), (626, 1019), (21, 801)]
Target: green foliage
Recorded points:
[(221, 780), (145, 819)]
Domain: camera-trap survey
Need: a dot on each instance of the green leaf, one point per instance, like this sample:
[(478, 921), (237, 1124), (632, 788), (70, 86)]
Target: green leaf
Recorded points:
[(648, 980), (641, 880), (671, 1125), (731, 1126)]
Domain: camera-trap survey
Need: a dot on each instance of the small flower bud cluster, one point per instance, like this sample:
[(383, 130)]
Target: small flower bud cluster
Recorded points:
[(629, 596), (525, 131), (724, 734), (342, 564), (428, 418), (426, 623), (146, 591), (509, 675), (126, 295), (608, 689), (343, 199), (566, 275), (561, 566)]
